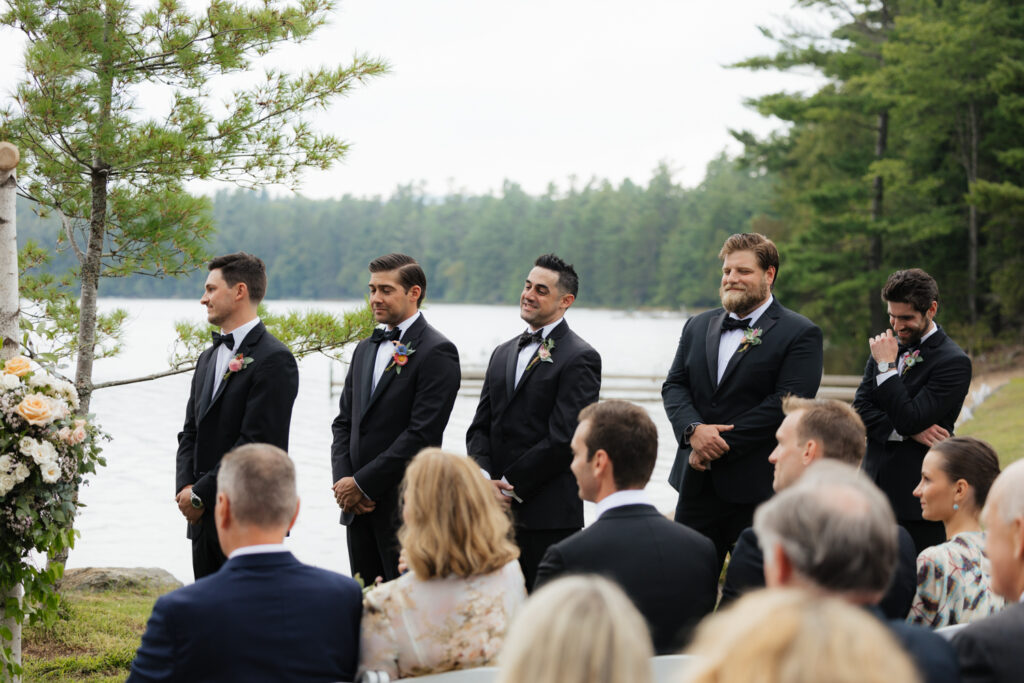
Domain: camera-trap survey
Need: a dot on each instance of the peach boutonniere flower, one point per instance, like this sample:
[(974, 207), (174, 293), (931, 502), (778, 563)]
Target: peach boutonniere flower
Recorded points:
[(401, 357), (751, 337), (543, 353), (237, 364)]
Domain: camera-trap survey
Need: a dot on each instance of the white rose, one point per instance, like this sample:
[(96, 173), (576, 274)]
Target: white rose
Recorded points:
[(46, 454), (28, 445), (21, 472), (50, 472), (6, 462), (10, 382), (60, 408), (7, 482)]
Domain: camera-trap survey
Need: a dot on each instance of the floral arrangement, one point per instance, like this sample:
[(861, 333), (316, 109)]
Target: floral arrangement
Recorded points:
[(401, 356), (237, 364), (751, 337), (543, 353), (45, 450), (911, 359)]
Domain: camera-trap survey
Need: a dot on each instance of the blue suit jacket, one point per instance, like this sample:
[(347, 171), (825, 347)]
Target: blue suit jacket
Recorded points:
[(264, 617)]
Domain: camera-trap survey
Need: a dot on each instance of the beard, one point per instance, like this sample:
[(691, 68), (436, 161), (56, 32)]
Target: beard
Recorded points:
[(743, 301)]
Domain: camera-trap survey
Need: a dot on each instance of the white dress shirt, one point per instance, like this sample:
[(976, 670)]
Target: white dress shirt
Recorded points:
[(621, 499), (732, 339), (898, 370), (526, 353), (386, 350), (259, 549), (224, 354)]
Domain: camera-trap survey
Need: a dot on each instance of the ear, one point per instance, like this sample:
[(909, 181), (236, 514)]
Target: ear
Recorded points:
[(298, 503), (1017, 529), (222, 512), (960, 490), (601, 463), (770, 275), (567, 300), (812, 451), (414, 293), (933, 309), (241, 291), (779, 570)]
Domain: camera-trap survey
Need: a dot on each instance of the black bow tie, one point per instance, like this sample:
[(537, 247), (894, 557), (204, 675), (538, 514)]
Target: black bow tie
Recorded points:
[(227, 340), (527, 338), (380, 334), (734, 324)]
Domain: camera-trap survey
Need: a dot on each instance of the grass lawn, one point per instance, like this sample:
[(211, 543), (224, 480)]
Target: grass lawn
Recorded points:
[(94, 640), (1000, 421)]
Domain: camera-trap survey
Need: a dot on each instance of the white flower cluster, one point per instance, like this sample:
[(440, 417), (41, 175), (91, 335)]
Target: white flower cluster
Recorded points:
[(12, 473), (64, 389)]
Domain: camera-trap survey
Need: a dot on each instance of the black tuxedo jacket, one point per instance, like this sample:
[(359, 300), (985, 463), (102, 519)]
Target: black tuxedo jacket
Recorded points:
[(253, 405), (264, 617), (788, 361), (523, 432), (669, 570), (990, 650), (930, 392), (746, 572), (376, 435)]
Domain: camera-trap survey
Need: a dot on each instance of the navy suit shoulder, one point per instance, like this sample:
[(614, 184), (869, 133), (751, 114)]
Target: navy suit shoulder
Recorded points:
[(933, 654), (746, 567), (990, 650)]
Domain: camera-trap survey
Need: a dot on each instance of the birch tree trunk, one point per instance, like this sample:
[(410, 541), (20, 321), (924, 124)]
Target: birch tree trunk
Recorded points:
[(9, 313)]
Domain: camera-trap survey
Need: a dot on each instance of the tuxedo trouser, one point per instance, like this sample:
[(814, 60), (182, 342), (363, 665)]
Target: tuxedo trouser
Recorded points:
[(719, 520), (207, 557), (373, 541), (533, 543), (924, 533)]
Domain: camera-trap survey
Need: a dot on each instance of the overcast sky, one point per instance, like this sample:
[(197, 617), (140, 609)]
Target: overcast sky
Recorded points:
[(534, 91)]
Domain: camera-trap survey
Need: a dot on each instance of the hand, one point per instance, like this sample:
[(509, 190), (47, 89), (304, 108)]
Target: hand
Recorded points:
[(931, 436), (364, 506), (885, 348), (499, 486), (184, 500), (403, 565), (699, 463), (707, 443), (350, 498)]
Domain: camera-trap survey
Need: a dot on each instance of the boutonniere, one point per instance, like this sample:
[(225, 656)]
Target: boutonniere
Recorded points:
[(237, 364), (751, 337), (911, 359), (401, 357), (543, 353)]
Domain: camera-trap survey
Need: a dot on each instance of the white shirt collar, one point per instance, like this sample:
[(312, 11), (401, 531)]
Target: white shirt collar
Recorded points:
[(935, 328), (546, 330), (407, 323), (239, 332), (622, 498), (757, 311), (259, 549)]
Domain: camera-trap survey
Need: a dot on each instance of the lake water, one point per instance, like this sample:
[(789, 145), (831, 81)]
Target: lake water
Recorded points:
[(131, 519)]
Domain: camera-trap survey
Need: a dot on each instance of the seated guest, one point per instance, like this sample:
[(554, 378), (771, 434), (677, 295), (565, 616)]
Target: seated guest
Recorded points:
[(669, 570), (953, 577), (792, 636), (263, 616), (577, 629), (990, 649), (464, 585), (816, 429), (834, 532)]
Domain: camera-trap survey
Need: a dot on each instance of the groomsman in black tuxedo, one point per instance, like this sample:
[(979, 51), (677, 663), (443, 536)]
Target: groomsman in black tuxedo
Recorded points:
[(398, 396), (913, 388), (723, 394), (535, 387), (242, 392)]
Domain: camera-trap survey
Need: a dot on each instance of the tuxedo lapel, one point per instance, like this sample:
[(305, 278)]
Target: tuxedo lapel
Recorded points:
[(411, 336), (204, 381), (511, 359), (714, 339), (765, 322), (366, 376)]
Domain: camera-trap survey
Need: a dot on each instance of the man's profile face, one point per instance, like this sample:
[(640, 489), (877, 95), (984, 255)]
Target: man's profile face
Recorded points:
[(1001, 538), (580, 466), (788, 456), (745, 285), (218, 298), (541, 302), (391, 303), (909, 324)]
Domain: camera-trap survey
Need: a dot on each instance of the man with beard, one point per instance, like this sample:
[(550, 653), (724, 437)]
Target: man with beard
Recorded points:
[(723, 394), (534, 389), (913, 388)]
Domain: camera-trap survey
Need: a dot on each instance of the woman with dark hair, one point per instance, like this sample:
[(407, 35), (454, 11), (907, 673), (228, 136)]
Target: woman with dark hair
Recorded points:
[(953, 578)]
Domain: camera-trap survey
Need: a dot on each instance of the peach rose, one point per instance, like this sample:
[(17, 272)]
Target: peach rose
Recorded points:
[(18, 365), (77, 436), (36, 409)]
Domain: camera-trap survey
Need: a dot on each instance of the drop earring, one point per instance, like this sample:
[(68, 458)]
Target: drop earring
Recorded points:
[(956, 506)]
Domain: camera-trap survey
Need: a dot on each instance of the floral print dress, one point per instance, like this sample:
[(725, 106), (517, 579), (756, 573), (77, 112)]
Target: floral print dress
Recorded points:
[(413, 627), (954, 583)]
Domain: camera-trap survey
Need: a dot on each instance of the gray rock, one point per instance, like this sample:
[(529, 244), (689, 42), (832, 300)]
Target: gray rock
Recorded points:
[(119, 578)]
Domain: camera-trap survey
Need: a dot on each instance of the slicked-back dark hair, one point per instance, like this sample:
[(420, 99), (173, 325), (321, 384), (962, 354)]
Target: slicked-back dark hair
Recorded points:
[(568, 280), (410, 273), (627, 434), (243, 267), (912, 286), (970, 459)]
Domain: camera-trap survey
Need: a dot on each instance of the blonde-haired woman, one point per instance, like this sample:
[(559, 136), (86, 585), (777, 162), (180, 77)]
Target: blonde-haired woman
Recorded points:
[(578, 629), (451, 610), (788, 635)]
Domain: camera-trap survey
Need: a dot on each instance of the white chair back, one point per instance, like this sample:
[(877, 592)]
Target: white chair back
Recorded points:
[(948, 632), (483, 674), (669, 668)]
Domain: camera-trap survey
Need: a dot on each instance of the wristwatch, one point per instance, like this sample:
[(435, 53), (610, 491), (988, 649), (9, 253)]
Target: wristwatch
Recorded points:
[(197, 502), (886, 366)]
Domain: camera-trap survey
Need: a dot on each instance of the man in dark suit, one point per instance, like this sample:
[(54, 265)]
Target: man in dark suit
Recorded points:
[(723, 394), (669, 571), (242, 392), (816, 429), (264, 616), (398, 396), (913, 388), (834, 533), (990, 650), (535, 387)]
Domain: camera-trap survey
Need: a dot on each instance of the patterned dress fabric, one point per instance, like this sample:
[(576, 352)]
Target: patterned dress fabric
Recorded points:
[(953, 583), (413, 627)]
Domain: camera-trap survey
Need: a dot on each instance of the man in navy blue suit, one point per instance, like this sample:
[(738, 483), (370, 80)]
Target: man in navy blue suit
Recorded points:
[(264, 616)]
